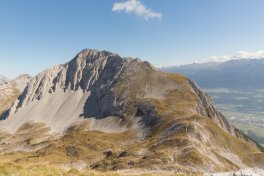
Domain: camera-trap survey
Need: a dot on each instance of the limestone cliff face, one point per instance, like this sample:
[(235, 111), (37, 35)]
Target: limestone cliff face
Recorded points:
[(206, 107), (81, 73), (88, 69)]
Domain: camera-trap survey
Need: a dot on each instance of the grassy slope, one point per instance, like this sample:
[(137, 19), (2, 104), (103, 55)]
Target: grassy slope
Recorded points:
[(79, 153), (91, 150), (48, 170)]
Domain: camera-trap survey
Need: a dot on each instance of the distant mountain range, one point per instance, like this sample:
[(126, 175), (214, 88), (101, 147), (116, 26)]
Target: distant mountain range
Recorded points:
[(237, 87), (241, 74)]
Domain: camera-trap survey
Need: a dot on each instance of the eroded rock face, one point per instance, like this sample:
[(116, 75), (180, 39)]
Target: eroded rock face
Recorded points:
[(206, 107), (89, 70)]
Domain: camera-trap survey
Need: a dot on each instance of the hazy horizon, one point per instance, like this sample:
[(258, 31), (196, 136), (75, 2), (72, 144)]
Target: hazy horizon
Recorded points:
[(38, 34)]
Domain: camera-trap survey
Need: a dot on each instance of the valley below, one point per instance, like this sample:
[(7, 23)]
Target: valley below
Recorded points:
[(236, 86), (244, 109)]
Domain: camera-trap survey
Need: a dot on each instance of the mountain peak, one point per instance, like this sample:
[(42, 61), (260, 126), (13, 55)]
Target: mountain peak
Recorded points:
[(93, 54), (23, 76), (96, 51), (88, 71), (3, 79)]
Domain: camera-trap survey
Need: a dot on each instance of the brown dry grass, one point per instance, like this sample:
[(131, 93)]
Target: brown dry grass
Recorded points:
[(103, 152), (7, 169)]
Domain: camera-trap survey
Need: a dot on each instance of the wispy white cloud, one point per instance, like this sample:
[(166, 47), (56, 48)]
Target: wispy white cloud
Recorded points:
[(239, 55), (136, 7)]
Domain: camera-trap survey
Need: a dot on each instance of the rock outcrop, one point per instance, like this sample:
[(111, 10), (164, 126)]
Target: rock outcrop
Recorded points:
[(3, 80), (206, 107)]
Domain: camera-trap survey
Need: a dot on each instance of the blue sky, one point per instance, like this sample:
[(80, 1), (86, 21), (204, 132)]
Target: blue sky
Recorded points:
[(36, 34)]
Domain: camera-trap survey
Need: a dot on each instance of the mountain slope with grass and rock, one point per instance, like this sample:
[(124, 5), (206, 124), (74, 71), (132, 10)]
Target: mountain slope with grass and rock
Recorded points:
[(104, 112)]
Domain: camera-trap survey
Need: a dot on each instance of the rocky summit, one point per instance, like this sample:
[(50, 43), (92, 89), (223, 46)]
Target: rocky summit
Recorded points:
[(3, 80), (106, 112)]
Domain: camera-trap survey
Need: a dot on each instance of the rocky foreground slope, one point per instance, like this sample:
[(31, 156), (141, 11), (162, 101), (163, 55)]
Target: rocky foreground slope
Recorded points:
[(106, 112)]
